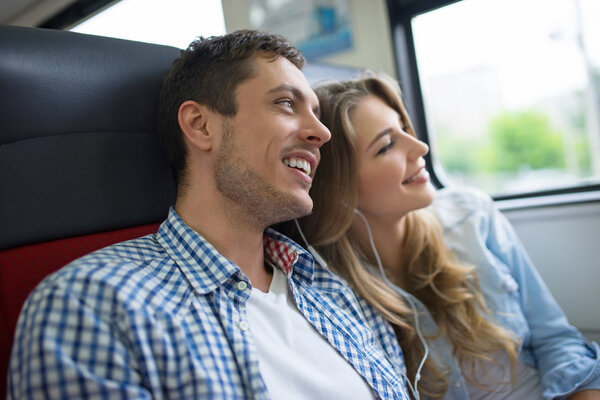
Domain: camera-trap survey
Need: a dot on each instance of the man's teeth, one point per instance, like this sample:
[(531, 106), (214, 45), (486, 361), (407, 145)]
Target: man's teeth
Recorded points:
[(298, 163)]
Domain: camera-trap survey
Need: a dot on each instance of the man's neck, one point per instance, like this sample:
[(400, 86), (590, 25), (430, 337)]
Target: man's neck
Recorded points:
[(232, 232)]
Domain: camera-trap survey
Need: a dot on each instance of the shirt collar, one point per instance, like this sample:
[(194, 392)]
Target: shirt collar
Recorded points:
[(290, 257), (206, 269)]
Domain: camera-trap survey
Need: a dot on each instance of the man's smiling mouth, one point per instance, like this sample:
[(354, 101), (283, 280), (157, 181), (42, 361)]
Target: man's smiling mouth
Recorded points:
[(298, 163)]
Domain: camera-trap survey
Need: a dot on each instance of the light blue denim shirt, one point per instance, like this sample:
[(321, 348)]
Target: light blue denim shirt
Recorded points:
[(480, 235)]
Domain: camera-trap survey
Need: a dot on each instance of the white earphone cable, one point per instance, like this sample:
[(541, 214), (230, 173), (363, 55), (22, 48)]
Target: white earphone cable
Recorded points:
[(413, 387), (311, 249)]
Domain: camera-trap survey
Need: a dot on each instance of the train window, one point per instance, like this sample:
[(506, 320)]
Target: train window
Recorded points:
[(511, 90), (175, 23)]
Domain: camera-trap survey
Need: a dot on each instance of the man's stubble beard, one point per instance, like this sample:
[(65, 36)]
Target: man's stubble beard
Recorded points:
[(243, 185)]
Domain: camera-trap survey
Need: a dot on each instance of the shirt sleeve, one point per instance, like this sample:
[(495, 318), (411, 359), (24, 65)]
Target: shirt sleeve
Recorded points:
[(65, 348), (566, 361)]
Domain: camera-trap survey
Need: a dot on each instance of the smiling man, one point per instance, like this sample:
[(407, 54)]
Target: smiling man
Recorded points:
[(215, 304)]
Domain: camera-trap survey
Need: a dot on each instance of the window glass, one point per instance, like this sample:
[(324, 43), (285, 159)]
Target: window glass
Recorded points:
[(174, 22), (512, 92)]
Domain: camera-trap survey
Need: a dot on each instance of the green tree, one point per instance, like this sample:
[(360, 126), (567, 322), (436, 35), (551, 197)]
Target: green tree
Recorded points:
[(524, 140), (457, 154)]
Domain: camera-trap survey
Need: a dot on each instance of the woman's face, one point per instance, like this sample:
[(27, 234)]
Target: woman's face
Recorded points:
[(392, 176)]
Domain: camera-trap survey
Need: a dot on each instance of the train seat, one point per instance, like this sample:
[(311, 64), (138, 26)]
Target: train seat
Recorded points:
[(81, 165)]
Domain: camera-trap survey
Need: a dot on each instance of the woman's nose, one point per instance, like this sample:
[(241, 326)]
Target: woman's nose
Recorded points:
[(418, 148)]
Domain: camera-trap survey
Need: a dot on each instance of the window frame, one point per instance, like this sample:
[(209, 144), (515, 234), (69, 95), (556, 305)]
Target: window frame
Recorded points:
[(400, 13)]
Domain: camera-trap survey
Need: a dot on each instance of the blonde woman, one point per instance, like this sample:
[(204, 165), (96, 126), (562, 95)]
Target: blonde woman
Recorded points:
[(473, 316)]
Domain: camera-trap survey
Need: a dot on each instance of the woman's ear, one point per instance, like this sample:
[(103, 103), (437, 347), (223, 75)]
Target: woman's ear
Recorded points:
[(197, 124)]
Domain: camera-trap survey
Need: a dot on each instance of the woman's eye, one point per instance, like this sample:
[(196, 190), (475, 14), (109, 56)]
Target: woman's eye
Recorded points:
[(385, 148)]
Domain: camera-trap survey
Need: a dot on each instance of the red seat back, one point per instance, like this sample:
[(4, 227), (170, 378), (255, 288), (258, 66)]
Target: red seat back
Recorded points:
[(22, 268)]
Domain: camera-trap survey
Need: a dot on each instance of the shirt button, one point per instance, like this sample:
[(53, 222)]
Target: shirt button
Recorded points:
[(457, 384), (243, 325), (241, 285)]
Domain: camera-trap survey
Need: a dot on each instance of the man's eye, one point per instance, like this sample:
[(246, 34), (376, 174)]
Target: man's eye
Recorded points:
[(286, 102), (385, 148)]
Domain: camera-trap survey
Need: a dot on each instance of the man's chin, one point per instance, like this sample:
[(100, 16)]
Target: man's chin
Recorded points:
[(305, 207), (298, 209)]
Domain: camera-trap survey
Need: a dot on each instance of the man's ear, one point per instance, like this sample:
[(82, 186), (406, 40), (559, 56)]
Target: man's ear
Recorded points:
[(198, 124)]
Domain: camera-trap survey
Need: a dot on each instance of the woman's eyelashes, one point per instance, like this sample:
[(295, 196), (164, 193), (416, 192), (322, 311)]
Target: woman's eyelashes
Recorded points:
[(391, 140), (385, 148)]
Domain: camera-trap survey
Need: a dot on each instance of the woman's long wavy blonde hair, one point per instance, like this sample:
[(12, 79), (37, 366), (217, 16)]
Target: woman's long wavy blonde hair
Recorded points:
[(430, 272)]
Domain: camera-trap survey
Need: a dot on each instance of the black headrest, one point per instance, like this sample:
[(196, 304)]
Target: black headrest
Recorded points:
[(79, 152)]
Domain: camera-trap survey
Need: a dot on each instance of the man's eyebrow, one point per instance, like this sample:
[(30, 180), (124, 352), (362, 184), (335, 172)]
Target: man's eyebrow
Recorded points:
[(381, 134), (284, 87)]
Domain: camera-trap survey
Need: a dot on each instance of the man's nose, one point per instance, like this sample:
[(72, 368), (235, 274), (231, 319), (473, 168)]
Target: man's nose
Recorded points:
[(315, 133)]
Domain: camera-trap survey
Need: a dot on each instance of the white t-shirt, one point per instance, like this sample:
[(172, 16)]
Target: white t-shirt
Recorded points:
[(294, 360)]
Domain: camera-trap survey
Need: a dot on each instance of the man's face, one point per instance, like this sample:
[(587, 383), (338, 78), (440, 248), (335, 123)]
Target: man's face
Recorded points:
[(270, 149)]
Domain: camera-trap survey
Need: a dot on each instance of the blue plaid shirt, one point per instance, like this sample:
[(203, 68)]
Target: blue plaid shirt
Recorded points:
[(163, 316)]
